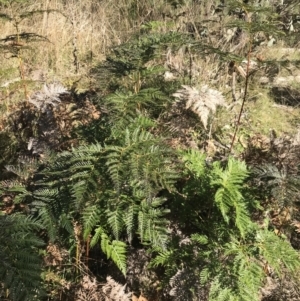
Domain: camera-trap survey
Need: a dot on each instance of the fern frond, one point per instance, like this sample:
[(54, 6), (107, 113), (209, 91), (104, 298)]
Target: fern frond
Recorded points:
[(202, 102), (250, 280), (247, 269), (114, 166), (115, 291), (48, 220), (78, 191), (242, 218), (97, 236), (141, 122), (277, 252), (17, 188), (45, 194), (158, 236), (199, 239), (128, 103), (162, 258), (115, 221), (20, 264), (142, 160), (48, 95), (116, 250), (152, 226), (228, 195), (283, 187), (66, 223), (220, 293), (90, 217), (195, 162), (129, 219), (142, 225), (24, 169), (204, 275)]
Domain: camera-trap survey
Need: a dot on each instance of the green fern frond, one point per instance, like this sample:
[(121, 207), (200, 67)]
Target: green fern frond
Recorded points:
[(142, 160), (142, 225), (250, 280), (48, 220), (90, 217), (116, 250), (17, 188), (219, 293), (127, 104), (228, 194), (133, 56), (143, 122), (78, 191), (247, 269), (114, 166), (115, 221), (235, 173), (81, 166), (195, 162), (242, 218), (152, 226), (66, 223), (224, 200), (129, 219), (20, 264), (20, 223), (157, 236), (200, 239), (204, 275), (45, 194), (97, 236), (277, 252), (162, 258)]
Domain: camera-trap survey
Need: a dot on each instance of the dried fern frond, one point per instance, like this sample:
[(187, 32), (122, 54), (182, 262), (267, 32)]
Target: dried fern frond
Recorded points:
[(114, 291), (88, 290), (202, 102), (296, 224), (48, 95)]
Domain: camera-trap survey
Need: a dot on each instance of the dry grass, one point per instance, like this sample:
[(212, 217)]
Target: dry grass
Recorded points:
[(87, 28), (80, 33), (265, 115), (279, 52)]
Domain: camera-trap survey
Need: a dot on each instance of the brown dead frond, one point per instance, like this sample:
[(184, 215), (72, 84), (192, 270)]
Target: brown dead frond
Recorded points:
[(55, 255), (88, 290)]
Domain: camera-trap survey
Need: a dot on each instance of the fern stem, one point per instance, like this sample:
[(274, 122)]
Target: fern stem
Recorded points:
[(88, 249), (191, 65), (244, 97)]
